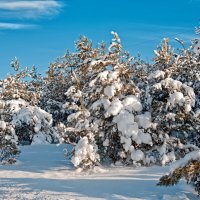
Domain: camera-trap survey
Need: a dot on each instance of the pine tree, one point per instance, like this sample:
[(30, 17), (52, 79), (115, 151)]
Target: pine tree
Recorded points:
[(8, 138), (106, 109), (22, 121), (186, 70)]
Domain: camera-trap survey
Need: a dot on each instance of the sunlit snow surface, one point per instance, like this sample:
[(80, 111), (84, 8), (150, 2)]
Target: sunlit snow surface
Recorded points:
[(43, 173)]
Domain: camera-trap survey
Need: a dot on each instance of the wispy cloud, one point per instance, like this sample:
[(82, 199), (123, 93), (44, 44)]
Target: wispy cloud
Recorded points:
[(15, 26), (13, 5), (29, 9), (15, 12)]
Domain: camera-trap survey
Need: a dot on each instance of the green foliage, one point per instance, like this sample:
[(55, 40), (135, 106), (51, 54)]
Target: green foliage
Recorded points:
[(190, 172)]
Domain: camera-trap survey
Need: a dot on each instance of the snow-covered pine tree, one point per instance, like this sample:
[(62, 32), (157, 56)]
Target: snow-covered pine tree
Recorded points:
[(21, 94), (57, 81), (107, 107), (128, 111), (188, 71), (8, 138), (79, 130), (172, 102)]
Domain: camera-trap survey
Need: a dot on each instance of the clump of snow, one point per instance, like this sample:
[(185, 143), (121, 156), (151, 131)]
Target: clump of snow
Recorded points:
[(137, 155), (74, 93), (157, 74), (105, 102), (166, 156), (70, 91), (41, 138), (171, 84), (194, 155), (132, 103), (111, 90), (130, 130), (37, 122), (189, 91), (84, 151), (75, 116), (32, 115), (114, 108), (106, 75), (127, 143), (179, 94), (144, 138), (176, 98), (171, 116), (16, 105), (113, 75), (144, 120), (125, 124), (69, 105), (103, 75), (2, 125), (116, 37)]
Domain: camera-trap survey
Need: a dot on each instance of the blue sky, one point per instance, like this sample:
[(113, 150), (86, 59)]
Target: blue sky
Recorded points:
[(38, 31)]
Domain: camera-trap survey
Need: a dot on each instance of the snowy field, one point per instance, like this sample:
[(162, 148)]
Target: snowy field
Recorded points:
[(43, 173)]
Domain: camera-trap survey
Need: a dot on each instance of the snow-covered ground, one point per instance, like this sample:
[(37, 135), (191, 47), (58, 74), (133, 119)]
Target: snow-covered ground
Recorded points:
[(43, 173)]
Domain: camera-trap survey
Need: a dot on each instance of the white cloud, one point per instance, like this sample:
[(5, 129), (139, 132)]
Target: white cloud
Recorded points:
[(29, 9), (16, 5), (15, 26)]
